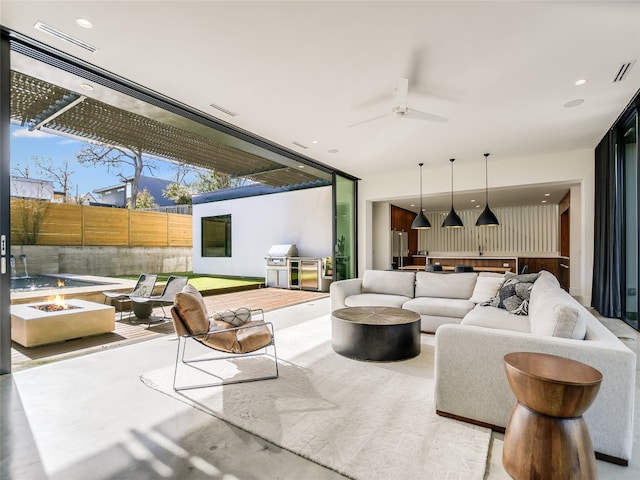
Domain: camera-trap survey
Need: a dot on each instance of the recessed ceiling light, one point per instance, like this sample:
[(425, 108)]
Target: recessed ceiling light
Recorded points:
[(84, 23), (413, 204), (477, 206), (574, 103), (547, 194), (544, 201), (582, 81), (314, 141), (86, 86), (334, 150), (300, 166), (473, 201), (298, 144)]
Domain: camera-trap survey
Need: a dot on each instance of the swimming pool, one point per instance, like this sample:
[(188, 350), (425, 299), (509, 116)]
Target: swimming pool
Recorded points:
[(48, 282)]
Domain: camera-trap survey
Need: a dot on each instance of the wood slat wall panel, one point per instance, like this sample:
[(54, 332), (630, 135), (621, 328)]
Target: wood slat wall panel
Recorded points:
[(106, 226), (180, 230), (77, 225), (148, 229), (62, 225), (532, 228)]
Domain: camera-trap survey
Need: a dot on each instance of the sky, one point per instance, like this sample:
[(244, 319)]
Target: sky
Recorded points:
[(87, 178)]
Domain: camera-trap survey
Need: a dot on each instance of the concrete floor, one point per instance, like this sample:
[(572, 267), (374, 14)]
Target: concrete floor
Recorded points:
[(91, 417)]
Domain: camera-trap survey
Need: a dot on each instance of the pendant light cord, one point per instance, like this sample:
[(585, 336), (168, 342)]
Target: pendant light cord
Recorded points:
[(421, 186), (486, 179), (452, 181)]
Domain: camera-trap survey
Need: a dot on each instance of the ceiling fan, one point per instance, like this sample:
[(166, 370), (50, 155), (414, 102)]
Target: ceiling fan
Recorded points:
[(401, 110)]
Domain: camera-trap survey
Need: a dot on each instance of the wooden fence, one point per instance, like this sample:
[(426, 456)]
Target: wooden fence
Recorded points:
[(78, 225)]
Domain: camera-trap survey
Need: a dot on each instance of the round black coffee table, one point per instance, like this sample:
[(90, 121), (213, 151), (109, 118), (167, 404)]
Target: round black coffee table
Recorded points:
[(376, 334)]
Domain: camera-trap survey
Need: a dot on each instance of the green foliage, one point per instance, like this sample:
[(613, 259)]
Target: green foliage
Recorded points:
[(31, 214), (145, 200), (180, 194)]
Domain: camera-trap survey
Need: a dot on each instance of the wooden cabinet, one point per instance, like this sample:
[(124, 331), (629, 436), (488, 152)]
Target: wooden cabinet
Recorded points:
[(401, 221), (559, 266)]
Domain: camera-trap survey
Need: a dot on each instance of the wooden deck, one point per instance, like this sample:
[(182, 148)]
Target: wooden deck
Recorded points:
[(129, 330)]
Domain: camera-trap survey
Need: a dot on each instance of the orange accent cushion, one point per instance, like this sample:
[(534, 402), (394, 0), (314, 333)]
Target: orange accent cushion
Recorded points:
[(191, 310), (243, 340)]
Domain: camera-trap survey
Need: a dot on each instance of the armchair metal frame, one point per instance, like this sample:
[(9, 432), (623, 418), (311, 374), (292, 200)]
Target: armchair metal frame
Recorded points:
[(143, 289), (174, 285), (181, 354)]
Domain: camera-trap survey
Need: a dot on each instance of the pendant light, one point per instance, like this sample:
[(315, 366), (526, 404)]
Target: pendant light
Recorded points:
[(421, 221), (487, 218), (452, 220)]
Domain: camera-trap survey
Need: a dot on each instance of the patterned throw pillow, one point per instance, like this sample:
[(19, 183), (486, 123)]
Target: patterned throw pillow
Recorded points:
[(236, 318), (514, 294)]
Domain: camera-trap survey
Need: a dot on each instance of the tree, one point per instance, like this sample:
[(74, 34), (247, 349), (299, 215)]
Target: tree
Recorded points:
[(115, 158), (180, 194), (61, 175), (144, 199), (210, 180)]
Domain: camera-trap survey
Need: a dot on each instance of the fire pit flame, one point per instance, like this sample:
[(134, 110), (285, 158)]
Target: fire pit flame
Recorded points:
[(55, 304), (60, 283)]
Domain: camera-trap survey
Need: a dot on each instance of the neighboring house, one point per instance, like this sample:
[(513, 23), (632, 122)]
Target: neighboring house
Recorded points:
[(31, 188), (119, 195)]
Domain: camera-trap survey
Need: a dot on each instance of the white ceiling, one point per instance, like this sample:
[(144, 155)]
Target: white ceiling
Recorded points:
[(501, 72)]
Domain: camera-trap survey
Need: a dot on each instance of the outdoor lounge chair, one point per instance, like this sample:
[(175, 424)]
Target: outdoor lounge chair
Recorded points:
[(142, 289), (232, 334), (142, 306)]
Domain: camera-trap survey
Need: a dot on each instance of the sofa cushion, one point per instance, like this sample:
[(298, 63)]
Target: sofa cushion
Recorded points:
[(441, 307), (546, 284), (375, 300), (449, 285), (487, 286), (559, 316), (389, 282), (492, 317)]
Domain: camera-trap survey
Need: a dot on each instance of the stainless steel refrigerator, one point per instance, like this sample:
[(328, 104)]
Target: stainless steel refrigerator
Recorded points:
[(399, 248)]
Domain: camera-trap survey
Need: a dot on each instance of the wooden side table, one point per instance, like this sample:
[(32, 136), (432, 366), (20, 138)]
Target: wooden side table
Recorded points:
[(546, 437)]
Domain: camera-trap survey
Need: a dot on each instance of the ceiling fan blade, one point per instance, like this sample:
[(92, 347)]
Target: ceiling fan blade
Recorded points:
[(418, 115), (368, 120), (402, 91)]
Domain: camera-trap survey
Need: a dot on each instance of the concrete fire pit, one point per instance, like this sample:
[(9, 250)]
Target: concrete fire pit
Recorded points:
[(33, 325)]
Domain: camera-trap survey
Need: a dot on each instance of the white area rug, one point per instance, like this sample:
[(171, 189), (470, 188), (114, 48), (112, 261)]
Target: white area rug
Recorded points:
[(365, 420)]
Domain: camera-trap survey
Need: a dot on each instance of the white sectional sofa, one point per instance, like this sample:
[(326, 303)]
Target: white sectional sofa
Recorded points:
[(472, 339)]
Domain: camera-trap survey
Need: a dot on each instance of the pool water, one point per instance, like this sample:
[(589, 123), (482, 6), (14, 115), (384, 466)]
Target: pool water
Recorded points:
[(47, 282)]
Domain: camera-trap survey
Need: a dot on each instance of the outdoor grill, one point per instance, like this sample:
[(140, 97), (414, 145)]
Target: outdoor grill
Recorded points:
[(278, 261)]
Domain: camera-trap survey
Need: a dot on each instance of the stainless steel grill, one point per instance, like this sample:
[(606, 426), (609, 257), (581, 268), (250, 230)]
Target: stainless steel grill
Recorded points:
[(278, 260)]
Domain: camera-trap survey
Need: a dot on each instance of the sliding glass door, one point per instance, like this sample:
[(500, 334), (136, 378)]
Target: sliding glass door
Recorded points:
[(345, 233)]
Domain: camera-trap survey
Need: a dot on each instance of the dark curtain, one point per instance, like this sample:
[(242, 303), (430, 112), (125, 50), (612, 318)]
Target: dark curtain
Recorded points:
[(608, 242)]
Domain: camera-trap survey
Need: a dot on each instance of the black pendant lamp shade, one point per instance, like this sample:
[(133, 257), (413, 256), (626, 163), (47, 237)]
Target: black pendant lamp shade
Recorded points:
[(452, 220), (486, 218), (421, 221)]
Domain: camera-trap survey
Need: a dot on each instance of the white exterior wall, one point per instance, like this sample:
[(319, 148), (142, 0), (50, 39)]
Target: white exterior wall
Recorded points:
[(31, 188), (574, 167), (302, 217)]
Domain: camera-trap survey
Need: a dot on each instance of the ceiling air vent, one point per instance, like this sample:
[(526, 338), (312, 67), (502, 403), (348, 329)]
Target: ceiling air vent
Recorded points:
[(622, 72), (223, 110), (298, 144), (43, 27)]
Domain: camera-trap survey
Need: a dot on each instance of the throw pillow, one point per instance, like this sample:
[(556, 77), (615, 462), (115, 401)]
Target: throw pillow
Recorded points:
[(487, 287), (514, 294), (236, 318)]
